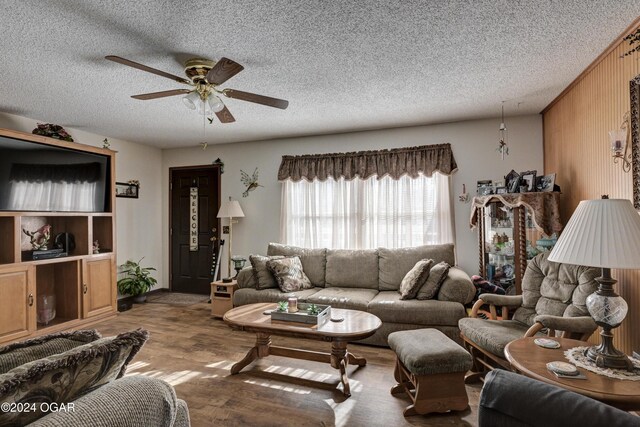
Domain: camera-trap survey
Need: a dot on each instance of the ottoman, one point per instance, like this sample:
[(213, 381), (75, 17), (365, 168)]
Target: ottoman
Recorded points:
[(430, 368)]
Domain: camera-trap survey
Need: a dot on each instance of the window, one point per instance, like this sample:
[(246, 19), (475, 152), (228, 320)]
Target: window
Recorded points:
[(367, 213)]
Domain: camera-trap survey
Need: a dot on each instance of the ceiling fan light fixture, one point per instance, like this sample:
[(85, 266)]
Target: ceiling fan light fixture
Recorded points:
[(215, 103), (202, 107), (191, 100)]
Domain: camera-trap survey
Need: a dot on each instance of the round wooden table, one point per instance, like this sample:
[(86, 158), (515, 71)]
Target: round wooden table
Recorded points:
[(531, 360)]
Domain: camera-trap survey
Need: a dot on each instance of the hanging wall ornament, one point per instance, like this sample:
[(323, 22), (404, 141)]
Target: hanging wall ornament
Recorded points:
[(251, 182), (503, 148), (193, 219)]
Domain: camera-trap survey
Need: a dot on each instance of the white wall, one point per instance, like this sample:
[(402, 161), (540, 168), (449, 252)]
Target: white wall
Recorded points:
[(474, 145), (138, 221)]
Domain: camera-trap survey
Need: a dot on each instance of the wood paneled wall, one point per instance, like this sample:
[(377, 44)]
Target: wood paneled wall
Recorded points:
[(576, 148)]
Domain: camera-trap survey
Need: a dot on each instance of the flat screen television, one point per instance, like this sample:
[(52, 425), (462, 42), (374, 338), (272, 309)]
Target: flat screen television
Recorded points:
[(47, 178)]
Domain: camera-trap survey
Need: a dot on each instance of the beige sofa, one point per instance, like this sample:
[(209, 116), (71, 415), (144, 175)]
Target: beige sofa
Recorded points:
[(368, 280)]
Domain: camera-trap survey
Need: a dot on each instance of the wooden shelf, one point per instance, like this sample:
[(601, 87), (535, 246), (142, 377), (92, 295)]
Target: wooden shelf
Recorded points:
[(84, 284)]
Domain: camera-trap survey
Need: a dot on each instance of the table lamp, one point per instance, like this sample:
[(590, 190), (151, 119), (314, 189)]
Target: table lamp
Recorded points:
[(238, 264), (230, 209), (603, 233)]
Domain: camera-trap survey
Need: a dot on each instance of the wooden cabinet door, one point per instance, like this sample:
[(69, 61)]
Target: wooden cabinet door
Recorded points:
[(17, 302), (98, 286)]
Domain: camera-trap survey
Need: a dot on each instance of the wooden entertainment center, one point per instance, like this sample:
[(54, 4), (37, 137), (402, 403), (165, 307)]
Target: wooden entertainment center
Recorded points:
[(84, 283)]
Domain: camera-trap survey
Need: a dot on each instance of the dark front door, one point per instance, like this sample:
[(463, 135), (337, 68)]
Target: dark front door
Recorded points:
[(193, 225)]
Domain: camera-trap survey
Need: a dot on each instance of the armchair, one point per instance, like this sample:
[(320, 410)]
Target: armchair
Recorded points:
[(553, 298)]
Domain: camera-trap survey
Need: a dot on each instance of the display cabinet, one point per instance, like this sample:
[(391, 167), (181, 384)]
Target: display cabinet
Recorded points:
[(66, 288), (512, 229)]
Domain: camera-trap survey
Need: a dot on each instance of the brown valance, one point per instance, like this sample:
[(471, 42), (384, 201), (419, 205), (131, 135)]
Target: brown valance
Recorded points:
[(396, 162)]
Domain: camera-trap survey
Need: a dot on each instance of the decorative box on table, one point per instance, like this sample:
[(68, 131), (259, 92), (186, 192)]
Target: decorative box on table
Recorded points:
[(302, 316)]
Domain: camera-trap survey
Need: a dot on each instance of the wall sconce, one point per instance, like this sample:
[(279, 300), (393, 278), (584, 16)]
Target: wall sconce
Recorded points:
[(619, 139)]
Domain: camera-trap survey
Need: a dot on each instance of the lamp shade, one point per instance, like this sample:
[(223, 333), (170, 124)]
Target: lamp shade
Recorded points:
[(601, 233), (230, 209), (191, 100)]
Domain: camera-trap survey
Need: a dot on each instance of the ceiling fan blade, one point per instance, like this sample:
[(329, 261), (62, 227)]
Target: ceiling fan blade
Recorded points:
[(154, 95), (225, 116), (223, 71), (147, 69), (258, 99)]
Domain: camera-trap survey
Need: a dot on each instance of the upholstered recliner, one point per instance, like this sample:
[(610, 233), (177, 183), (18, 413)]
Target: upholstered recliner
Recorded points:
[(553, 297)]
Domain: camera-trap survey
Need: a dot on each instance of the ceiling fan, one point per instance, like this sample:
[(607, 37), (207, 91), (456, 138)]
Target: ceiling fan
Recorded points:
[(204, 77)]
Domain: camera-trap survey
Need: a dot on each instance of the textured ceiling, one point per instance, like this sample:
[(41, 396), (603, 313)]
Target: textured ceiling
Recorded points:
[(343, 65)]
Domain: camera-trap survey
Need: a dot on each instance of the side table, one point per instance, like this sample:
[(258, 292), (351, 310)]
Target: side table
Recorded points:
[(222, 297), (531, 360)]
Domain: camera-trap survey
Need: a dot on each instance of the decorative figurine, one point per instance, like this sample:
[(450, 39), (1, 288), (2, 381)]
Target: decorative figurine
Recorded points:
[(40, 237), (251, 182)]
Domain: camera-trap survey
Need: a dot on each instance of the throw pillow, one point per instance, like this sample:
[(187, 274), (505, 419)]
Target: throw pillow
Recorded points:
[(62, 378), (415, 278), (289, 275), (14, 355), (437, 275), (264, 278)]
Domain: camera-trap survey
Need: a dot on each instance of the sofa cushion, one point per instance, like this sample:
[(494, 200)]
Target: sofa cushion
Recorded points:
[(352, 298), (415, 279), (289, 275), (395, 263), (263, 277), (62, 378), (246, 278), (253, 296), (431, 286), (457, 286), (357, 268), (14, 355), (492, 335), (388, 306), (314, 261)]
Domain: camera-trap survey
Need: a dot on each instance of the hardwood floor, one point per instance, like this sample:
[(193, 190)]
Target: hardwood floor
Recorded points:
[(194, 353)]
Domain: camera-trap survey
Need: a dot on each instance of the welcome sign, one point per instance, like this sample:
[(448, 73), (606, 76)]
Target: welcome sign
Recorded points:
[(193, 219)]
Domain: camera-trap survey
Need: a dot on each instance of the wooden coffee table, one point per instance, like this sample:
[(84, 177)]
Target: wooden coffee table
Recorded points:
[(355, 326), (531, 360)]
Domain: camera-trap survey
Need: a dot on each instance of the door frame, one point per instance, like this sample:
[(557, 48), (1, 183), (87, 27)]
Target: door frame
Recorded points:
[(218, 222)]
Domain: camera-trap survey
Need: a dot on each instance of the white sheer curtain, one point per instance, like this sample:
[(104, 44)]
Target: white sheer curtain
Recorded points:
[(52, 196), (368, 213)]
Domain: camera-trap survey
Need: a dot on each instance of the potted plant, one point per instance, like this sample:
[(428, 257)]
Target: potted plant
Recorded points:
[(137, 280)]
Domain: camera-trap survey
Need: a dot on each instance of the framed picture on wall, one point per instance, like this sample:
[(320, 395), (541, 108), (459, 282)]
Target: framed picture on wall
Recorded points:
[(124, 189)]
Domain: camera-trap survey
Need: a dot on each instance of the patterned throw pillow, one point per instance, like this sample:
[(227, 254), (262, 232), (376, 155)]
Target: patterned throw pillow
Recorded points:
[(436, 277), (264, 278), (14, 355), (64, 377), (414, 279), (289, 275)]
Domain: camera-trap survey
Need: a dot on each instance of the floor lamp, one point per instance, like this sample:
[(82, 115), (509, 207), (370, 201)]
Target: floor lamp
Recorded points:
[(230, 209)]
